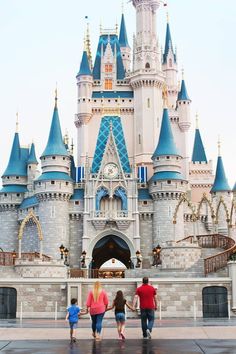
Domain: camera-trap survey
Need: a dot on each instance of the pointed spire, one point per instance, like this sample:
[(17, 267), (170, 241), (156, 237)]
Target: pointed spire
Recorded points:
[(220, 183), (16, 166), (166, 144), (168, 43), (84, 65), (55, 144), (198, 154), (123, 38), (87, 45), (17, 122), (183, 94), (32, 156)]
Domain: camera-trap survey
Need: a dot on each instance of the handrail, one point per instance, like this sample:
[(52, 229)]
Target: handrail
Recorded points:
[(219, 260), (8, 258)]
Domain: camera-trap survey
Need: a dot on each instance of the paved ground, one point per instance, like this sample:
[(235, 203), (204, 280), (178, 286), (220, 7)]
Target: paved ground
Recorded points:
[(171, 336)]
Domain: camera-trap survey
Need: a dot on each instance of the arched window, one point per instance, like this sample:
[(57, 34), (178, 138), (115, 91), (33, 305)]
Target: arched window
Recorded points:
[(170, 63), (147, 66)]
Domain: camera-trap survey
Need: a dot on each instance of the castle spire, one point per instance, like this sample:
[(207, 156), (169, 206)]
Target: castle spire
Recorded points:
[(84, 65), (220, 183), (166, 144), (183, 94), (198, 154), (123, 38), (87, 45), (32, 155), (168, 43), (55, 144)]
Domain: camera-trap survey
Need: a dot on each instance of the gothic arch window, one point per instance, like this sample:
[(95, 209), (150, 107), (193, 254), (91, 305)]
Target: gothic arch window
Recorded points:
[(121, 193), (147, 66), (101, 193), (170, 63)]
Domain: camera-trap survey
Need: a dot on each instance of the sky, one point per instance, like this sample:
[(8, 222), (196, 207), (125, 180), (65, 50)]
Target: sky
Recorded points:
[(42, 44)]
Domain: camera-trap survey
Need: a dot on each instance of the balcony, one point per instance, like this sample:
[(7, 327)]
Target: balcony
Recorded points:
[(102, 218)]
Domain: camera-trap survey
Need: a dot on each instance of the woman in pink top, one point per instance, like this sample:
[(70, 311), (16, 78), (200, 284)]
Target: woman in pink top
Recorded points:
[(97, 303)]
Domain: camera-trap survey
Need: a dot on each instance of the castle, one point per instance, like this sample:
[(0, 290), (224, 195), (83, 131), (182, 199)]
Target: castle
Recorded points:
[(133, 185)]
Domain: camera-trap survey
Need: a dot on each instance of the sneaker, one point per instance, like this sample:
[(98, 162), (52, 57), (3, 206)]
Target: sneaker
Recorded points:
[(74, 339), (148, 334)]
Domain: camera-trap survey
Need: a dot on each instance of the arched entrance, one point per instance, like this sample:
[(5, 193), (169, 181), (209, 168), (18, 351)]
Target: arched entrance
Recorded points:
[(109, 247), (215, 302), (7, 303)]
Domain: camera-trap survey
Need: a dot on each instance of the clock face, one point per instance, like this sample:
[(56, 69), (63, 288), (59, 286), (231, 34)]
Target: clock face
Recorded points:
[(110, 170)]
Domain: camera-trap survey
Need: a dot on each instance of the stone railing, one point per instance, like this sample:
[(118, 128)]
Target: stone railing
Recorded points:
[(9, 258), (119, 214), (219, 260)]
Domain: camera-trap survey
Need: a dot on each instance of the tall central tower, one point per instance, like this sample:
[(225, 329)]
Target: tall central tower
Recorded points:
[(147, 81)]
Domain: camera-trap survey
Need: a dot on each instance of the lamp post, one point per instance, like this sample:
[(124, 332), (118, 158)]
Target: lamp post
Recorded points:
[(82, 259), (139, 259), (156, 252), (61, 248), (66, 252), (14, 256)]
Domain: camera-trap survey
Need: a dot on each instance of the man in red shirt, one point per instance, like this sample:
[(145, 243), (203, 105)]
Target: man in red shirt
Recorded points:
[(148, 304)]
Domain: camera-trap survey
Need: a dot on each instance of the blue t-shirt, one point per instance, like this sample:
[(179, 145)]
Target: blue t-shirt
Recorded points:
[(73, 313)]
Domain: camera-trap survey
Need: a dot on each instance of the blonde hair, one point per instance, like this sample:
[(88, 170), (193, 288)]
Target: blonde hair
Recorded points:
[(97, 288)]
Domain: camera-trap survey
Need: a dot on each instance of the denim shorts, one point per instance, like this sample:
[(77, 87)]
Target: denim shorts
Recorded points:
[(73, 325), (120, 317)]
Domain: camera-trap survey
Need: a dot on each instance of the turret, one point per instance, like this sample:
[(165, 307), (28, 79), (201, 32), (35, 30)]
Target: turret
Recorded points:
[(200, 169), (221, 196), (84, 84), (53, 189), (166, 186), (169, 66), (14, 181), (32, 164), (183, 108), (124, 45)]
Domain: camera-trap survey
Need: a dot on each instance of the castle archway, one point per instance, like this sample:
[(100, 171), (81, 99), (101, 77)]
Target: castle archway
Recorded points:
[(110, 247)]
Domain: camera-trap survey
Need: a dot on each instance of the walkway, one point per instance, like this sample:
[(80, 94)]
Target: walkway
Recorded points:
[(170, 336)]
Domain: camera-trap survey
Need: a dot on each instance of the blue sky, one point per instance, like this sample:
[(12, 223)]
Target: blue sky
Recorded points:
[(42, 42)]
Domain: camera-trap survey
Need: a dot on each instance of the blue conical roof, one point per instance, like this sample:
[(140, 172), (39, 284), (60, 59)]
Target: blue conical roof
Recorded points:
[(220, 183), (199, 154), (32, 156), (84, 65), (17, 163), (166, 144), (123, 39), (55, 144), (168, 44), (183, 95)]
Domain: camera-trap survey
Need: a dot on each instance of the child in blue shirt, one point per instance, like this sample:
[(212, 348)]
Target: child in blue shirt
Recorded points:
[(73, 313)]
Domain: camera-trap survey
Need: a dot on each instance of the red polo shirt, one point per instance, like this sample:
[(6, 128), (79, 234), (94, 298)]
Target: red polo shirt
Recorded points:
[(146, 295)]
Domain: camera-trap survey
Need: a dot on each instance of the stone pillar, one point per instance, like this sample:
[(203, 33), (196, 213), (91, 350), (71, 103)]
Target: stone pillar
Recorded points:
[(232, 275)]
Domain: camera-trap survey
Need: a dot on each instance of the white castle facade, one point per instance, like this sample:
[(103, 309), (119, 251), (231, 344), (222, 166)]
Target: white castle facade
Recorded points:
[(133, 185)]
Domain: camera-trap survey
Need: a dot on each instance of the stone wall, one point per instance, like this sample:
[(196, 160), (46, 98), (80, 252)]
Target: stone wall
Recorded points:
[(39, 297)]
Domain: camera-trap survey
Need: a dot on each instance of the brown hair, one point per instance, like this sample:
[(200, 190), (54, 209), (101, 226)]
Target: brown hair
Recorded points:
[(119, 299)]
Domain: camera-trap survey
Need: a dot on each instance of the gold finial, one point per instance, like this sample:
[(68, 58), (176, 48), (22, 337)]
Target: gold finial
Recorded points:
[(56, 96), (87, 43), (100, 26), (219, 145), (167, 17), (122, 7), (17, 122), (182, 73), (165, 95), (197, 120), (116, 28), (72, 146)]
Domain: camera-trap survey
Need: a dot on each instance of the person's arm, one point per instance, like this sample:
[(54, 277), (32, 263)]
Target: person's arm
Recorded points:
[(130, 306), (83, 312), (67, 315), (155, 302), (105, 299), (111, 307), (135, 300), (88, 302)]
